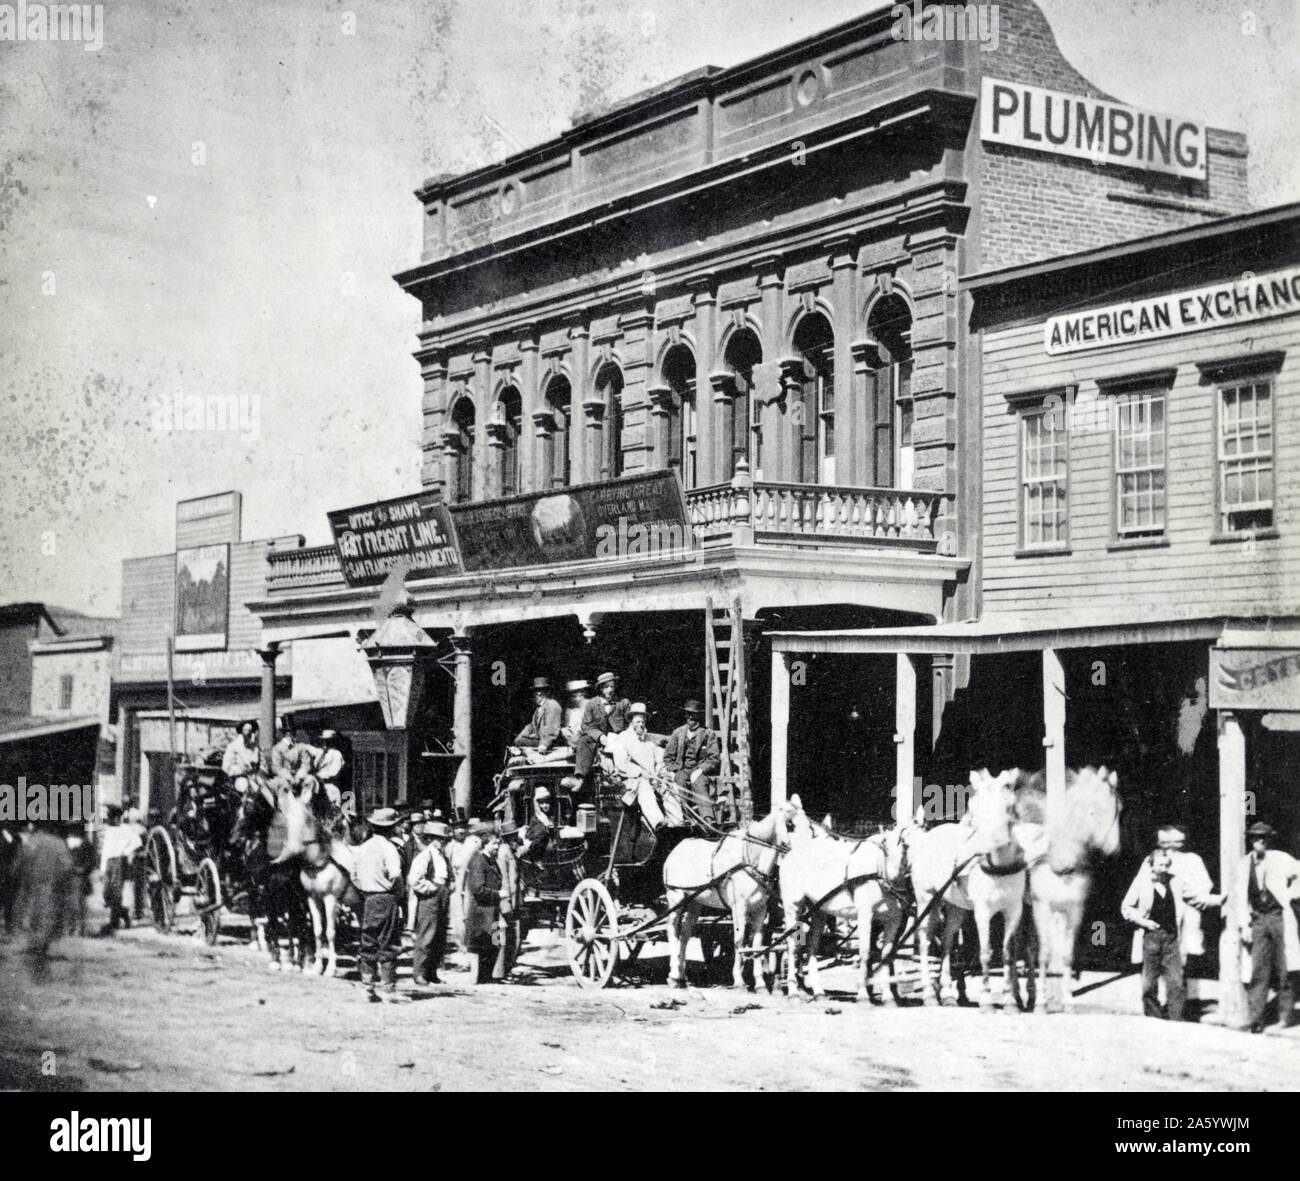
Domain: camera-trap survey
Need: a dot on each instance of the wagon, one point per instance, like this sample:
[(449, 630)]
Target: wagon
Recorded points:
[(191, 854), (600, 878)]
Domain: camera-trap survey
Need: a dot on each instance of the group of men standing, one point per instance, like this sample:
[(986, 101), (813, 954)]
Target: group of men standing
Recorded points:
[(465, 886), (657, 778), (1165, 903)]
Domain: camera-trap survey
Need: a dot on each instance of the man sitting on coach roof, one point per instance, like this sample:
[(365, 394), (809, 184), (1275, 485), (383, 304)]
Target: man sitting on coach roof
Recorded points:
[(543, 730), (641, 762)]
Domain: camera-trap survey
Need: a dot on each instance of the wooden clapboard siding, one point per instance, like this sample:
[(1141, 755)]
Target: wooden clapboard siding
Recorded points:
[(1192, 574), (148, 599)]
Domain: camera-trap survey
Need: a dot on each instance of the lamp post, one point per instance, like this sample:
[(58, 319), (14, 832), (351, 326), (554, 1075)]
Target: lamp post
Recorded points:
[(399, 653)]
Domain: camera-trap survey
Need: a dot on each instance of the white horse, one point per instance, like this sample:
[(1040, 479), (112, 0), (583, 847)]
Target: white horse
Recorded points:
[(997, 879), (847, 879), (326, 873), (1060, 851), (950, 880), (752, 854)]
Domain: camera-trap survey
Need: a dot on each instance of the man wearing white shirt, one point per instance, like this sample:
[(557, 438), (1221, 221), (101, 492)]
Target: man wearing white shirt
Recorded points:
[(641, 762), (242, 756), (1262, 908), (120, 843), (377, 875)]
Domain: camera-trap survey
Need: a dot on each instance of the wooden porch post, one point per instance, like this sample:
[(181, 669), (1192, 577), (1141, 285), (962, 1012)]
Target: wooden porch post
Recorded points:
[(462, 723), (906, 785), (1232, 843), (1054, 729), (780, 723), (270, 654)]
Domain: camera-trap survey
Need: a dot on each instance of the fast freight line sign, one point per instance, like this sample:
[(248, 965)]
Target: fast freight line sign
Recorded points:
[(1024, 116)]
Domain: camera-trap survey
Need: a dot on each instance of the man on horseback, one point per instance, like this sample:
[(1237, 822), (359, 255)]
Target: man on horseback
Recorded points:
[(287, 755), (693, 757), (242, 757)]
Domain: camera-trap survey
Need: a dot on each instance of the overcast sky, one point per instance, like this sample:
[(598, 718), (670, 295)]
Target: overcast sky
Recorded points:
[(215, 202)]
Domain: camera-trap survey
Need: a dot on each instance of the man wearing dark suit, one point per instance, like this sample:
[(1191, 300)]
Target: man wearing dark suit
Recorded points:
[(601, 715), (544, 728), (693, 757)]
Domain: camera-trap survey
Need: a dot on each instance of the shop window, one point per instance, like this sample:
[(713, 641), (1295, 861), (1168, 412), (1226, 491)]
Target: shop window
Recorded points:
[(739, 421), (1245, 455), (1044, 476), (557, 466), (609, 389), (65, 691), (509, 422), (378, 767), (814, 341), (1140, 505), (462, 420), (680, 445)]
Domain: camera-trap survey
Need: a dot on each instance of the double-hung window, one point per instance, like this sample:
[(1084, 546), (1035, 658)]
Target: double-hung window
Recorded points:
[(1244, 460), (1044, 473)]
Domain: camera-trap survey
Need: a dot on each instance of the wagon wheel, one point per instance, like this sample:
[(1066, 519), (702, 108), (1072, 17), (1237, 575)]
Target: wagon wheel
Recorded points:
[(208, 900), (591, 933), (161, 862)]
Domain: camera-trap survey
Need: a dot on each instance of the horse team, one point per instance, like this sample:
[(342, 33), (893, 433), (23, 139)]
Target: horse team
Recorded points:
[(1009, 851)]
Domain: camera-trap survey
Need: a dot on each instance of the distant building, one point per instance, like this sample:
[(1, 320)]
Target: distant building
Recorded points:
[(55, 668)]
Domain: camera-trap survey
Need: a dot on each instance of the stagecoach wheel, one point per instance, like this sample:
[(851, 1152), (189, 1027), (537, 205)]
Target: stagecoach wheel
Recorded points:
[(161, 862), (208, 900), (591, 933)]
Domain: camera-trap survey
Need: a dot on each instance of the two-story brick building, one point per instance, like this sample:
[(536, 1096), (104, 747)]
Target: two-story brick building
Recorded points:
[(748, 277)]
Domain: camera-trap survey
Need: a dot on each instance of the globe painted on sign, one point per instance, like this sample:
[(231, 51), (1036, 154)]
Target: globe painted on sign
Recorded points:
[(559, 528)]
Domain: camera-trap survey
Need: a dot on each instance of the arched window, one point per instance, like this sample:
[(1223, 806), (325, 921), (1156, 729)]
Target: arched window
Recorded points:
[(462, 419), (889, 325), (739, 420), (814, 341), (556, 466), (509, 423), (680, 444), (609, 388)]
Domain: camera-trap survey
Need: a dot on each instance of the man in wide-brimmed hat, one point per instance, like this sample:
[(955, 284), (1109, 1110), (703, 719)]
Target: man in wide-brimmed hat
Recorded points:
[(430, 880), (597, 721), (641, 762), (1267, 922), (577, 692), (543, 730), (693, 757), (512, 900), (378, 878)]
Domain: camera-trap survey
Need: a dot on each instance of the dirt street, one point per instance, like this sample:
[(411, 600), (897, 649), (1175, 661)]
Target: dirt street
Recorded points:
[(149, 1011)]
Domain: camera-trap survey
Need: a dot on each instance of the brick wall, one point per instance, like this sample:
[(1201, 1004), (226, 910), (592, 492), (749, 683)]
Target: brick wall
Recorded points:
[(1037, 205)]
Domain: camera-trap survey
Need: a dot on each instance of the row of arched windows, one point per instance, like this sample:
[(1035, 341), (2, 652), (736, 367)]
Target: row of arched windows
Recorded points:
[(676, 417)]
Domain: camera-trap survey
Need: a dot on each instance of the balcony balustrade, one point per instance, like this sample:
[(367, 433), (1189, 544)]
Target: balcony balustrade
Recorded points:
[(763, 513)]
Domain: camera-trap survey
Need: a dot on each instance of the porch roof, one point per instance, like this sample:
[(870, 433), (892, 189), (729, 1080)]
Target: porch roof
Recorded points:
[(1002, 632)]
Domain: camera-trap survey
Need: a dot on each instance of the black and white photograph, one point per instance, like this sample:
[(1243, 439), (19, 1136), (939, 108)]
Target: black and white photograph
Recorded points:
[(681, 546)]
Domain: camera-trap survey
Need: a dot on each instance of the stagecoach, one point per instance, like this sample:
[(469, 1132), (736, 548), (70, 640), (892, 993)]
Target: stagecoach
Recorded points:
[(191, 853), (600, 877)]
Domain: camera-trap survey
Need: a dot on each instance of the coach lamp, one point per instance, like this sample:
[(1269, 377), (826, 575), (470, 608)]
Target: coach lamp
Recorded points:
[(399, 653)]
